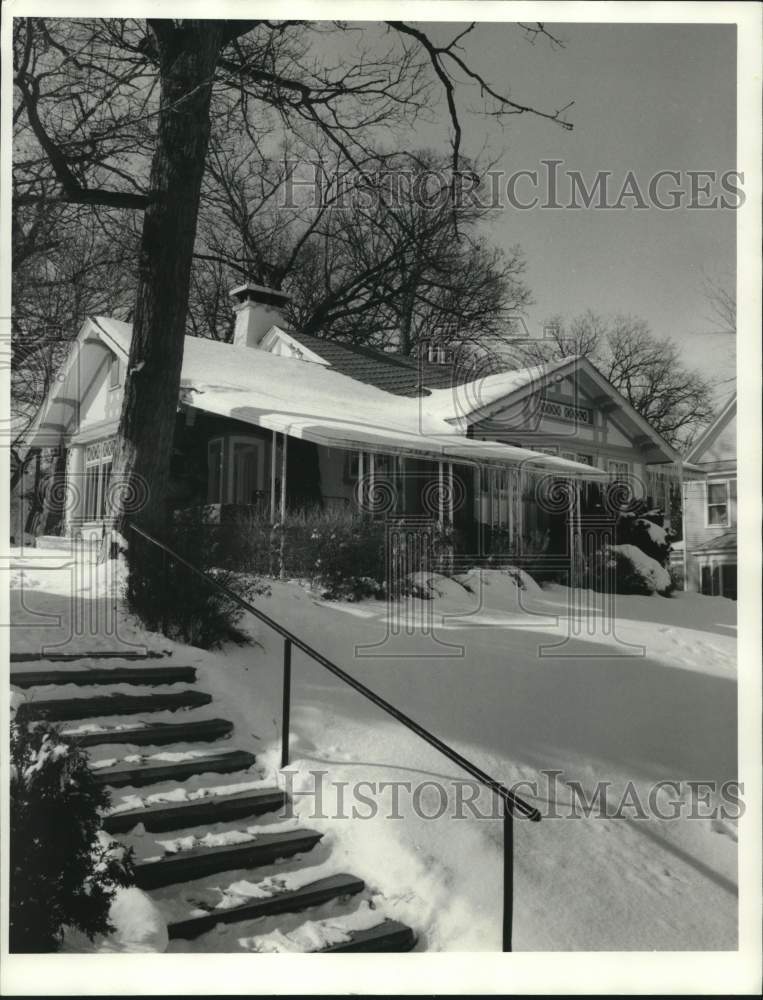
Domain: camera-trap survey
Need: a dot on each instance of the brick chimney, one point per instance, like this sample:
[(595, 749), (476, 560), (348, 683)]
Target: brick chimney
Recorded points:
[(257, 310)]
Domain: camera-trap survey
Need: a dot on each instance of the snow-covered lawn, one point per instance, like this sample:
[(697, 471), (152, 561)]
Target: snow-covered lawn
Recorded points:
[(520, 681)]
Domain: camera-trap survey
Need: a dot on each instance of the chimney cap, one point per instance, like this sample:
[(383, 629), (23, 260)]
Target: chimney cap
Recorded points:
[(249, 292)]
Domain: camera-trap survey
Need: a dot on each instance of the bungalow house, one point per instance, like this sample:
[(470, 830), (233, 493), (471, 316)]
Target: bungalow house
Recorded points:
[(710, 508), (283, 420)]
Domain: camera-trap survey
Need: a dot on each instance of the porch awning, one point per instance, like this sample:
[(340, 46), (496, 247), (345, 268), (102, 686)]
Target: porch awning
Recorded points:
[(350, 435)]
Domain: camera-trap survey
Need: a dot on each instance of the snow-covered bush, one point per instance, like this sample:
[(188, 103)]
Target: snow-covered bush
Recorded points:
[(629, 571), (646, 532), (64, 870)]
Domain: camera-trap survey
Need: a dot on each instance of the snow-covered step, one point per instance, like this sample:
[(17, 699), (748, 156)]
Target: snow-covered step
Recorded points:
[(94, 654), (259, 849), (104, 675), (150, 734), (137, 770), (389, 935), (162, 816), (290, 901), (63, 709), (330, 928)]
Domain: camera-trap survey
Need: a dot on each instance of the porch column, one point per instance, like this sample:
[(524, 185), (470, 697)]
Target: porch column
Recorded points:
[(440, 497), (273, 465), (282, 568), (371, 471), (283, 478), (450, 494), (359, 491)]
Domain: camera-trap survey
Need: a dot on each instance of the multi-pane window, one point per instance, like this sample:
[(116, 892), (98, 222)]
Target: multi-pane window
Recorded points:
[(718, 495), (215, 471), (98, 459), (618, 470)]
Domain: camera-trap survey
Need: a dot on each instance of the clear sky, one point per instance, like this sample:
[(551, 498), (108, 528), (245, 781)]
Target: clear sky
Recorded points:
[(647, 98)]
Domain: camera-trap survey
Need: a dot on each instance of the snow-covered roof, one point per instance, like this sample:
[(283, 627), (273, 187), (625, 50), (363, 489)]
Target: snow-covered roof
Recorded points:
[(317, 403)]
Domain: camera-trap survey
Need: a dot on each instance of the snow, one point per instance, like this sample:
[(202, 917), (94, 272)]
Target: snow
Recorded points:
[(225, 838), (314, 935), (138, 927), (519, 680), (303, 400), (656, 577), (657, 534)]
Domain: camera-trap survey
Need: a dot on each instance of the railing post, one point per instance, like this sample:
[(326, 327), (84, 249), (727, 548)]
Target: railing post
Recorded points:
[(508, 875), (286, 702)]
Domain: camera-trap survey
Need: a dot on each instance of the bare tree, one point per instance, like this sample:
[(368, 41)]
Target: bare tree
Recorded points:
[(647, 370), (720, 294), (119, 114), (386, 259)]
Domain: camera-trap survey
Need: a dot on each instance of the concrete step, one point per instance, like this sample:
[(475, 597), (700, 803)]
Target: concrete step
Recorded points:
[(96, 654), (186, 865), (158, 734), (64, 709), (390, 935), (321, 891), (148, 772), (209, 809), (104, 675)]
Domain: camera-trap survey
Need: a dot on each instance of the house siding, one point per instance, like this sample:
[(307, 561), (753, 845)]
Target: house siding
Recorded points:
[(718, 461)]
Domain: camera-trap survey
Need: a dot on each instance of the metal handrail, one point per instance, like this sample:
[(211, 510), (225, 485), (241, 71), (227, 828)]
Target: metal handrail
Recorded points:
[(512, 803)]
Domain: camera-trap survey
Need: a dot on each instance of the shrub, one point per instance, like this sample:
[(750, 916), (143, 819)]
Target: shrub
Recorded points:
[(341, 552), (169, 597), (629, 571), (646, 532), (64, 871)]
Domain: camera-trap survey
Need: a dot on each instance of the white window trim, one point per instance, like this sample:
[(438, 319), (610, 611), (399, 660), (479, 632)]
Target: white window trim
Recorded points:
[(727, 504), (101, 457), (115, 364), (616, 472)]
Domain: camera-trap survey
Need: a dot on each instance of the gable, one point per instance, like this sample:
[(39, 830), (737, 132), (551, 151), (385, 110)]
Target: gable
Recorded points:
[(563, 404), (80, 392), (101, 402), (718, 443), (283, 345)]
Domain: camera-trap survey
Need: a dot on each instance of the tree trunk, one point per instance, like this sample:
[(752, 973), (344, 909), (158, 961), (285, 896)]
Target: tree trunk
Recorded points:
[(188, 54)]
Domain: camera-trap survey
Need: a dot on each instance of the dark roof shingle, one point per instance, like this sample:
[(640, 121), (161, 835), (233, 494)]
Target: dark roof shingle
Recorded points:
[(393, 373)]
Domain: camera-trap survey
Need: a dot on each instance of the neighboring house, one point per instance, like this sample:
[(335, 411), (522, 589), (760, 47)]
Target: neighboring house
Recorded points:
[(283, 420), (710, 508)]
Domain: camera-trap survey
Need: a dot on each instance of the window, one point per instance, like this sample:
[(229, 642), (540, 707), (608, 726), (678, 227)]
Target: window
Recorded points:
[(215, 471), (718, 504), (618, 470), (98, 459), (719, 580), (569, 455), (585, 459), (114, 373)]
